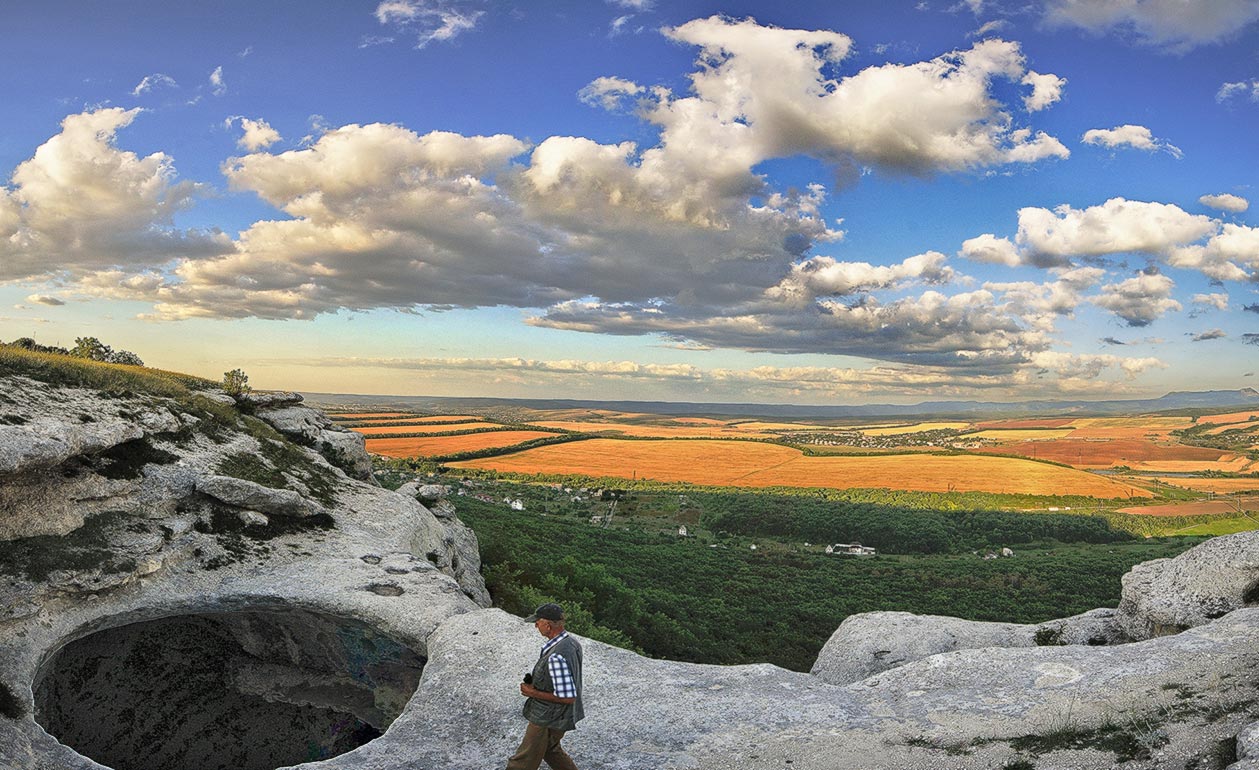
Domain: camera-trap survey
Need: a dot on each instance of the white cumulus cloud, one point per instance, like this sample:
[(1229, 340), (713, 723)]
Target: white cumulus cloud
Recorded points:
[(1053, 237), (1137, 137), (1046, 90), (1139, 301), (80, 203), (763, 92), (609, 92), (1225, 202), (1218, 301), (1178, 25), (258, 134)]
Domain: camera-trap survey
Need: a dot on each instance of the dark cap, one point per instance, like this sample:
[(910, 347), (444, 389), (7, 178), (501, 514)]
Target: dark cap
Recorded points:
[(552, 612)]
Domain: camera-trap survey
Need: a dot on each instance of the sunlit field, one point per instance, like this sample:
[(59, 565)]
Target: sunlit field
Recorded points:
[(436, 446), (378, 430), (753, 464)]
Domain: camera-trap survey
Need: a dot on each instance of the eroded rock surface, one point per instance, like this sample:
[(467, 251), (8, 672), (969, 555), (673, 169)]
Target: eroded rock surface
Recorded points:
[(1170, 595), (871, 642)]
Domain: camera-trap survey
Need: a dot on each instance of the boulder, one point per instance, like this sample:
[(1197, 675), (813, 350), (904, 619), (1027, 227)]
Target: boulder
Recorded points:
[(299, 422), (46, 442), (1247, 749), (267, 399), (431, 493), (242, 493), (348, 451), (1166, 596), (1095, 627), (871, 642)]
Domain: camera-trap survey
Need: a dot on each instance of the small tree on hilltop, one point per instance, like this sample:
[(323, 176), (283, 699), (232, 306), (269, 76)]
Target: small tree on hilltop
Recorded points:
[(91, 349), (236, 383), (125, 357)]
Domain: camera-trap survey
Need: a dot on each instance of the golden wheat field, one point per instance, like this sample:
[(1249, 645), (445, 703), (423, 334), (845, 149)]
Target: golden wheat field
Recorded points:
[(1128, 427), (433, 446), (753, 464), (377, 430), (653, 431), (1229, 417)]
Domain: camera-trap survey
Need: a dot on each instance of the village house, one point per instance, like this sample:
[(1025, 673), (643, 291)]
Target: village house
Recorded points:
[(850, 549)]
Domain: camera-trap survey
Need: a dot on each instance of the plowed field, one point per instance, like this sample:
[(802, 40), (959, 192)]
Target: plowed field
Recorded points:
[(899, 430), (422, 446), (752, 464), (1019, 434), (1212, 485), (1133, 452)]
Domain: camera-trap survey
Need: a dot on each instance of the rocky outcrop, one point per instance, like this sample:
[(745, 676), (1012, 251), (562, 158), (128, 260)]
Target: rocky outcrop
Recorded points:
[(311, 427), (1247, 749), (1095, 627), (251, 496), (1166, 596), (871, 642), (100, 490)]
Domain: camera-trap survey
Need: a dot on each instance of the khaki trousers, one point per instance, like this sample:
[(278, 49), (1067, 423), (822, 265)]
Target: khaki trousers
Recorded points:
[(540, 743)]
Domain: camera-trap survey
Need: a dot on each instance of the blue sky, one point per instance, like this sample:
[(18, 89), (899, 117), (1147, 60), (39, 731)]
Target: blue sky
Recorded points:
[(832, 202)]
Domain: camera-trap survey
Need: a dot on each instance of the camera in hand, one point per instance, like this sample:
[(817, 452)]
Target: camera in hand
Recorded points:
[(529, 678)]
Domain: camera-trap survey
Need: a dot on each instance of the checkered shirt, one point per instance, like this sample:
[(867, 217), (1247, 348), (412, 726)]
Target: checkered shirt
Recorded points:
[(561, 677)]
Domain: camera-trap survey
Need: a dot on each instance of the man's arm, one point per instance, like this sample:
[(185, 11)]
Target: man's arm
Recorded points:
[(529, 691), (561, 678)]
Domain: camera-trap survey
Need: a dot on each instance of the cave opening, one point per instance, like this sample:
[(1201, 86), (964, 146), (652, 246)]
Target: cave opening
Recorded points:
[(243, 690)]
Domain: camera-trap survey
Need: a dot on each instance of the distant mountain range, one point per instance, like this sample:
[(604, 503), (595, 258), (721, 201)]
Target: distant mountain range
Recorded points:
[(1180, 400)]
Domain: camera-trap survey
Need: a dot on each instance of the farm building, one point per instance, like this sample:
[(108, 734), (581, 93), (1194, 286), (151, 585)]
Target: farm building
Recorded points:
[(850, 549)]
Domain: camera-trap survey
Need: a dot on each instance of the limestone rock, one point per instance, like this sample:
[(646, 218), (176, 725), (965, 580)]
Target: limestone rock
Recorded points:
[(1095, 627), (348, 451), (46, 442), (871, 642), (432, 492), (1166, 596), (299, 422), (248, 494), (267, 399), (253, 519), (1247, 749), (45, 503), (218, 397)]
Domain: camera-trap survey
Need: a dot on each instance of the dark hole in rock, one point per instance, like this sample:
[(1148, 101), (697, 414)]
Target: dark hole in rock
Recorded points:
[(10, 706), (386, 589), (252, 690), (1251, 597)]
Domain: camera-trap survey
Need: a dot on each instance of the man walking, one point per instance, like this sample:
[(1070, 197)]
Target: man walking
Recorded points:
[(553, 690)]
